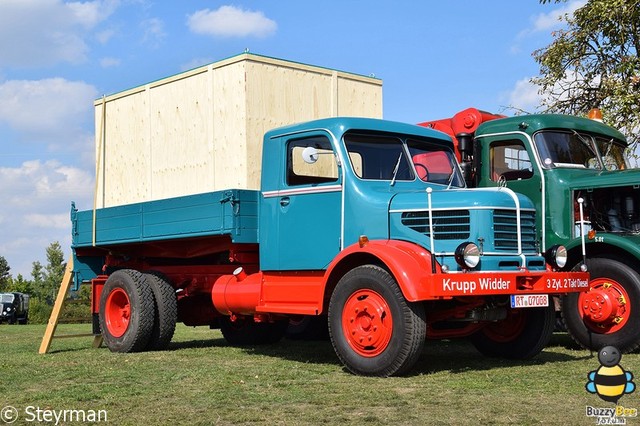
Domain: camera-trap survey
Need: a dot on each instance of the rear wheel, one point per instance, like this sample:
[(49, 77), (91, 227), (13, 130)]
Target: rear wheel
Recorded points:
[(373, 329), (126, 311), (522, 335), (166, 311), (609, 313), (244, 331)]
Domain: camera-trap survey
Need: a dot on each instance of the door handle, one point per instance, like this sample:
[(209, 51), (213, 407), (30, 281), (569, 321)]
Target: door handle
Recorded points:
[(284, 201)]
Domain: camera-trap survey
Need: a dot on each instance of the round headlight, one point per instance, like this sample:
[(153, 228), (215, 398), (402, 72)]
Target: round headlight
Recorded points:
[(557, 256), (467, 255)]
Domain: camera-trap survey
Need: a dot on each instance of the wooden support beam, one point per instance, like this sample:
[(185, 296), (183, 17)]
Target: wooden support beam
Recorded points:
[(49, 333)]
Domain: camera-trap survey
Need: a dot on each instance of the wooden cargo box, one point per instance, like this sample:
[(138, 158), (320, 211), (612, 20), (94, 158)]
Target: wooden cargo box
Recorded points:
[(201, 130)]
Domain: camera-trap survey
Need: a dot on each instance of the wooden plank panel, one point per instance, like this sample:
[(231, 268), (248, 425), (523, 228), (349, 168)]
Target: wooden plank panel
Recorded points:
[(180, 143), (127, 151), (229, 130), (202, 130)]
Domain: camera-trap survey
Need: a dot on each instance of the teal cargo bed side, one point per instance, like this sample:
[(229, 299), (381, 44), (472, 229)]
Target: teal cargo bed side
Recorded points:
[(231, 213)]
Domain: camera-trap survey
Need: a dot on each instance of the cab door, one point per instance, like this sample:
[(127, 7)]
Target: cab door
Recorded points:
[(307, 205), (508, 161)]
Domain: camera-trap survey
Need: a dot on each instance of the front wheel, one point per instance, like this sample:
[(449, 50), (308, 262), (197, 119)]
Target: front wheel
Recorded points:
[(609, 313), (522, 335), (373, 329)]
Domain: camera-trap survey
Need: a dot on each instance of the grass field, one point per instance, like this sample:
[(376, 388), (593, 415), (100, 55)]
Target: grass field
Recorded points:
[(201, 380)]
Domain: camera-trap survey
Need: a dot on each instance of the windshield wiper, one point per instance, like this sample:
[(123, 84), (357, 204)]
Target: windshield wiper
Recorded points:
[(395, 170), (592, 149)]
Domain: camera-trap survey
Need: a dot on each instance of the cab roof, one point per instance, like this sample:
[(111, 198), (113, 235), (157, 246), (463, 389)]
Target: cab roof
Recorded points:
[(536, 122)]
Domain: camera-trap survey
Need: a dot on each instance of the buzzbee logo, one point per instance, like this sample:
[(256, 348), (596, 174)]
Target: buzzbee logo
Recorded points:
[(610, 381)]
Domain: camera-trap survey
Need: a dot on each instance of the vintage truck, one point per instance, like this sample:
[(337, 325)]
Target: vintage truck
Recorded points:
[(14, 308), (365, 221), (577, 173)]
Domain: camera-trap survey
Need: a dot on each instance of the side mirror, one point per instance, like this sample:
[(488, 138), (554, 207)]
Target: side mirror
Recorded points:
[(310, 155)]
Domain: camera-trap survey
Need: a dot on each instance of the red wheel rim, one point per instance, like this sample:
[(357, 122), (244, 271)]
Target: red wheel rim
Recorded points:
[(117, 312), (367, 323), (508, 329), (605, 307)]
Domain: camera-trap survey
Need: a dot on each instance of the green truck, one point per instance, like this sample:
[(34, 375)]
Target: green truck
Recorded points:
[(578, 174)]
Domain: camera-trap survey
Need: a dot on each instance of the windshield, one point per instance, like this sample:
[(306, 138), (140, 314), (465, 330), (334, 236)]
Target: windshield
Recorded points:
[(580, 150), (383, 157), (6, 298), (613, 154)]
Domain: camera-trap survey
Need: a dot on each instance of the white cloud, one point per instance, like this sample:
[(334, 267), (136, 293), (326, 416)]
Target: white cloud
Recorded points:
[(46, 32), (545, 22), (555, 18), (230, 21), (109, 62), (39, 220), (104, 36), (35, 205), (153, 32), (524, 96), (53, 107)]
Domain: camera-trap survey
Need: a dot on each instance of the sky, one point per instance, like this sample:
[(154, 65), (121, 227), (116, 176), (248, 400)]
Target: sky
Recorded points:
[(434, 58)]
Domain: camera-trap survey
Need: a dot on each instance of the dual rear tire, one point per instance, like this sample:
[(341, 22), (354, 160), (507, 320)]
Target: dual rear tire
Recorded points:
[(138, 311)]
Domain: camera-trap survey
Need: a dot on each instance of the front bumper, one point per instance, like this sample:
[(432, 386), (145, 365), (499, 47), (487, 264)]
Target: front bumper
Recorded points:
[(449, 285)]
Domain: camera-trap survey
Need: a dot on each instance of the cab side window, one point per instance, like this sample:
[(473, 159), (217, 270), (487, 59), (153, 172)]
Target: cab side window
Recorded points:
[(510, 161), (300, 172)]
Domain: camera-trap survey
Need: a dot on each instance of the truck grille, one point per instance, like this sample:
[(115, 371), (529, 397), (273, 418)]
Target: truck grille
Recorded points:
[(447, 225), (505, 230)]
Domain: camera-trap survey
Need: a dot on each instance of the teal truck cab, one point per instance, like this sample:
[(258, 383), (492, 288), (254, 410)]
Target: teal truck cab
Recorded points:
[(577, 173), (366, 223)]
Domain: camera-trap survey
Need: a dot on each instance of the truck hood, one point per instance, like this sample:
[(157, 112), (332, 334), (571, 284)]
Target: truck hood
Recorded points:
[(484, 198), (588, 178)]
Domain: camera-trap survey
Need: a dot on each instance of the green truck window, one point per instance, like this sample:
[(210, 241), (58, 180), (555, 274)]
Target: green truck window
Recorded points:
[(510, 160)]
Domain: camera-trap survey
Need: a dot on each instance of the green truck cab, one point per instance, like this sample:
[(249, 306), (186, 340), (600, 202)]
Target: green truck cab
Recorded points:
[(578, 174)]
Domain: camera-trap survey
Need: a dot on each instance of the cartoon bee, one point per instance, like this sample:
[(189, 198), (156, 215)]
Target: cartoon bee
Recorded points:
[(610, 381)]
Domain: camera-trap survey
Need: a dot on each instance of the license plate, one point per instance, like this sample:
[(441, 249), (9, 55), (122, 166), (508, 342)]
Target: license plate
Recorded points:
[(529, 300)]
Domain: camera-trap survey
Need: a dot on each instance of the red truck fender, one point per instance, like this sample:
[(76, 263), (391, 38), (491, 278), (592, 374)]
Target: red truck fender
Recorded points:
[(409, 264)]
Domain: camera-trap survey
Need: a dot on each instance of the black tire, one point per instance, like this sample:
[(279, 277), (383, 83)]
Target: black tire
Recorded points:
[(398, 333), (308, 327), (522, 335), (134, 334), (23, 321), (244, 331), (165, 311), (626, 338)]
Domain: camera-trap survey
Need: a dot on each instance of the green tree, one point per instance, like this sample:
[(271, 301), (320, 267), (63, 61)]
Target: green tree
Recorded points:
[(593, 63), (37, 280), (5, 277), (21, 285), (54, 271)]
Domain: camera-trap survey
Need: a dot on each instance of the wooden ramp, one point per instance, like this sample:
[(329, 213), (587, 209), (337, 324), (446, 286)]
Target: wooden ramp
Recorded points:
[(49, 333)]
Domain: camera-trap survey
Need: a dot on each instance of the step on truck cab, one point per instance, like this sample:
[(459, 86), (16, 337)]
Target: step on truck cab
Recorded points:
[(365, 222), (578, 174)]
